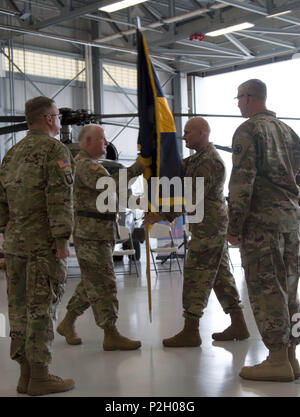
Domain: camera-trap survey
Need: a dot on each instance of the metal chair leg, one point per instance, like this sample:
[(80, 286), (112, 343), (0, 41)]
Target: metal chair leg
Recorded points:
[(153, 260), (136, 266), (178, 263)]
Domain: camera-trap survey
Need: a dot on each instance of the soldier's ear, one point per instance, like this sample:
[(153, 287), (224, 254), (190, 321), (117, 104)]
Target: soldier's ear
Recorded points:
[(88, 140), (48, 119)]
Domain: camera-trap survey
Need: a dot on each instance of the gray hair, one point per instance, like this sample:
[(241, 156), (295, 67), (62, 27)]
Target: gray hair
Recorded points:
[(85, 131), (256, 87)]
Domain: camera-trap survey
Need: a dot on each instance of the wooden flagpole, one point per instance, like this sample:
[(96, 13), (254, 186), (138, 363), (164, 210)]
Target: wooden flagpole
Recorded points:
[(148, 271)]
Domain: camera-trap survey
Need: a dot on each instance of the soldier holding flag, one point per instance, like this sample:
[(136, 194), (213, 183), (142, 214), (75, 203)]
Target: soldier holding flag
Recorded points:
[(207, 264)]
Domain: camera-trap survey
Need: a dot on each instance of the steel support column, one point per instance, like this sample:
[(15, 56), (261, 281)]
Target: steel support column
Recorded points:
[(89, 79), (97, 78), (177, 84)]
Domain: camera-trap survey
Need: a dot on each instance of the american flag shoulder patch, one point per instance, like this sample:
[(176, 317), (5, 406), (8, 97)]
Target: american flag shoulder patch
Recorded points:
[(94, 166), (63, 163)]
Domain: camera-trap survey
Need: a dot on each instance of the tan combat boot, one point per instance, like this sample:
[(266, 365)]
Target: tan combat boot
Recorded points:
[(188, 337), (276, 367), (114, 341), (67, 329), (42, 383), (293, 360), (237, 330), (24, 377)]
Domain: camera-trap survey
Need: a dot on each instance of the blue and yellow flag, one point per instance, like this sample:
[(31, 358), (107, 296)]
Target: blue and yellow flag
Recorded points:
[(157, 141)]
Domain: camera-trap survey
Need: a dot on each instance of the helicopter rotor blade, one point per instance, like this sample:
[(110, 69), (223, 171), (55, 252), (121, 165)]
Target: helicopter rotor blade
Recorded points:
[(12, 129), (12, 119)]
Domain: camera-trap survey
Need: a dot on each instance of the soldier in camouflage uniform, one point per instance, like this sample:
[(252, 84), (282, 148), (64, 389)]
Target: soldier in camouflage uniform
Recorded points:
[(207, 263), (264, 219), (94, 239), (36, 218)]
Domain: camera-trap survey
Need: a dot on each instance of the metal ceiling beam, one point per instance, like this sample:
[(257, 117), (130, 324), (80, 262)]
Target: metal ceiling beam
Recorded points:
[(272, 31), (192, 62), (292, 6), (16, 12), (14, 6), (246, 6), (211, 47), (9, 12), (163, 66), (191, 53), (267, 40), (115, 27), (58, 3), (169, 20), (119, 22), (152, 14), (239, 45), (291, 20), (259, 10), (71, 15), (26, 31)]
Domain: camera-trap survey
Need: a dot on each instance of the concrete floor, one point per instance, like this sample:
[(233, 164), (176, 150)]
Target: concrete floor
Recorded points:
[(211, 370)]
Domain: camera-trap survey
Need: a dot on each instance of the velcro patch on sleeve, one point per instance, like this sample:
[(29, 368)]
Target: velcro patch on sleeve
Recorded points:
[(63, 163), (94, 167)]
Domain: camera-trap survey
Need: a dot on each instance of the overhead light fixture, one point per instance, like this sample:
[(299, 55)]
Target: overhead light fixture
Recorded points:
[(279, 13), (120, 5), (229, 29)]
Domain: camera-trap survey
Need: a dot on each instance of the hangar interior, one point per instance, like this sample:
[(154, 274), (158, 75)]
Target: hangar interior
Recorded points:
[(85, 58)]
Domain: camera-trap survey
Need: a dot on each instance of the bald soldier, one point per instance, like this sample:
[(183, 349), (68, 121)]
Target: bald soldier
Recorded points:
[(207, 264), (264, 219), (36, 178), (94, 238)]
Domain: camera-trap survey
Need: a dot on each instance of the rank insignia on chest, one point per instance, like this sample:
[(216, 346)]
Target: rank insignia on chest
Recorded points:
[(63, 163)]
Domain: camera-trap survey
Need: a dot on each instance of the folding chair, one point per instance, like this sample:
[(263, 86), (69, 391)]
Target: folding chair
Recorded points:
[(125, 235), (163, 231)]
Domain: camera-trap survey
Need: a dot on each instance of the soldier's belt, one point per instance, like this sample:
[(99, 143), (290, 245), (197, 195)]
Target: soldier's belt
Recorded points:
[(103, 216)]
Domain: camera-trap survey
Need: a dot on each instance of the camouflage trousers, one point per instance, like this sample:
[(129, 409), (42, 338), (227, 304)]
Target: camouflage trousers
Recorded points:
[(35, 286), (207, 267), (97, 287), (271, 263)]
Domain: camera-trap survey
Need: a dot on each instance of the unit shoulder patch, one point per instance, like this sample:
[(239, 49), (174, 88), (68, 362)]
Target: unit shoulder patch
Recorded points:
[(237, 149)]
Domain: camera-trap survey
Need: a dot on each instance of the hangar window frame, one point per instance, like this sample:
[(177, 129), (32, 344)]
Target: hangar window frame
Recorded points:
[(46, 65)]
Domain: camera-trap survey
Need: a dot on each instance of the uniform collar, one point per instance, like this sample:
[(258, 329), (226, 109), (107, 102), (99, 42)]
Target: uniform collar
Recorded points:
[(85, 154), (267, 112), (37, 132), (204, 150)]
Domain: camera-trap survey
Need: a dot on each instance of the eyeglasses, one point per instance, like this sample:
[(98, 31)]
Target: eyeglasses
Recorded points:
[(53, 115), (242, 95)]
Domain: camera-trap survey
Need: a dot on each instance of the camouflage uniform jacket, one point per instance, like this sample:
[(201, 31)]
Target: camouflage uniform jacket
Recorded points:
[(36, 195), (208, 164), (263, 188), (87, 174)]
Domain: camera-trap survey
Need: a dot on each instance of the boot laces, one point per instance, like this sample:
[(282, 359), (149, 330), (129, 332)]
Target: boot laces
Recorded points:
[(55, 378)]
